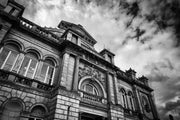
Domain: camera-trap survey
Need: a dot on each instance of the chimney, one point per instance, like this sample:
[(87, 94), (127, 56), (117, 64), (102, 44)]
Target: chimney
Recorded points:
[(144, 80), (131, 73)]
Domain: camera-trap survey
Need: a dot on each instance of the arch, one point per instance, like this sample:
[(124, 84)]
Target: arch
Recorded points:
[(89, 77), (122, 90), (146, 104), (130, 93), (131, 97), (51, 57), (14, 99), (38, 104), (12, 108), (124, 97), (38, 110), (15, 42), (35, 51)]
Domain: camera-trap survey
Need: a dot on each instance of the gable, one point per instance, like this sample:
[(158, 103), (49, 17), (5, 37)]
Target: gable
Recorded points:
[(78, 29)]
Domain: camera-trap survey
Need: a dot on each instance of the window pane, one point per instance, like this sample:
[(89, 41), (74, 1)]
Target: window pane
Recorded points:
[(43, 72), (8, 9), (15, 13), (31, 69), (74, 39), (24, 66), (50, 75), (10, 61), (3, 56), (89, 89)]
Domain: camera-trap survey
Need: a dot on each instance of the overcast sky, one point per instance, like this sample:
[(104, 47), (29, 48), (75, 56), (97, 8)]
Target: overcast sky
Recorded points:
[(155, 54)]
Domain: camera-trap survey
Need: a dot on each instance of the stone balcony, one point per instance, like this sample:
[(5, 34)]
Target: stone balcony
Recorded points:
[(10, 77)]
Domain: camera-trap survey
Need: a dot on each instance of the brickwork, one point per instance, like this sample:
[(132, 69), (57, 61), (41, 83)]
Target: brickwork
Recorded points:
[(116, 113), (67, 105)]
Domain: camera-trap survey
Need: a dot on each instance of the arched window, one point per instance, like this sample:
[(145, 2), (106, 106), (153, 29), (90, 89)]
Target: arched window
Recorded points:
[(131, 100), (8, 56), (47, 71), (37, 113), (145, 104), (29, 65), (90, 88), (12, 111), (124, 100)]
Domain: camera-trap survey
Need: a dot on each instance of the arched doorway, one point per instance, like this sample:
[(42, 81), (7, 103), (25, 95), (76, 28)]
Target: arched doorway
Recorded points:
[(12, 110)]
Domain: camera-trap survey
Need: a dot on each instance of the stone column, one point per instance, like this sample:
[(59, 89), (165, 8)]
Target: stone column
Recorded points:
[(116, 89), (64, 70), (75, 81), (108, 87)]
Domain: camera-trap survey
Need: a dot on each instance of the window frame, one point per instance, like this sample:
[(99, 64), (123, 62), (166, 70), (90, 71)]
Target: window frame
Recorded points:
[(47, 71), (130, 95), (28, 66), (124, 98), (10, 52), (95, 90)]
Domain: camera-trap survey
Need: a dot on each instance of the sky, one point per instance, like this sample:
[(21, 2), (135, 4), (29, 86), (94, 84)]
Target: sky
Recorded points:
[(115, 25)]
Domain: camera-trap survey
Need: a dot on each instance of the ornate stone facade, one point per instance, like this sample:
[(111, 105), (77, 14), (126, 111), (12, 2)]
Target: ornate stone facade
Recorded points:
[(56, 74)]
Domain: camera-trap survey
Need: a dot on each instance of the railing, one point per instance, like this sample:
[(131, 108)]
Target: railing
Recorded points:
[(13, 77), (39, 30), (92, 99)]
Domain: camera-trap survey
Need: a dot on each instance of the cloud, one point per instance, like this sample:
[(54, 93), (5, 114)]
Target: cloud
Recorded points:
[(172, 108), (114, 23)]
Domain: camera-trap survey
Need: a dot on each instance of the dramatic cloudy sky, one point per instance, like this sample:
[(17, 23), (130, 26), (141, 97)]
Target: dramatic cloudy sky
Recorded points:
[(115, 24)]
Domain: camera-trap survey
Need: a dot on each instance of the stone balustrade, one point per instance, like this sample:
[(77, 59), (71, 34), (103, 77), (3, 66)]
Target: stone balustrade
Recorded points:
[(39, 30), (27, 82)]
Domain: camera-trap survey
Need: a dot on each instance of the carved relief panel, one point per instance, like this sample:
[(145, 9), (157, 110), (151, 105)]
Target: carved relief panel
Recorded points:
[(86, 70)]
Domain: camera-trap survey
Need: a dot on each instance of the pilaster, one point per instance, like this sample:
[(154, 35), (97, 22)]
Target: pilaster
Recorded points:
[(75, 81)]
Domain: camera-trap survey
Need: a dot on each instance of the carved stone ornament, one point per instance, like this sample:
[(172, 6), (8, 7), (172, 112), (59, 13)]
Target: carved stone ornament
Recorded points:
[(89, 71)]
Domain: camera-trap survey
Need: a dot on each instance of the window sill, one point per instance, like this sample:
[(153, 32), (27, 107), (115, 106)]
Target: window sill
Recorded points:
[(27, 82)]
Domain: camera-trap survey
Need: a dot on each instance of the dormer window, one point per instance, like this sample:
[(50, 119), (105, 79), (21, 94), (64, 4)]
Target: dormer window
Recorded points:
[(109, 59), (74, 39)]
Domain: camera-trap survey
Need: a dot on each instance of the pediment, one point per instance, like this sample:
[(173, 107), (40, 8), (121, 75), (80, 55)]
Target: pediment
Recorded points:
[(77, 28)]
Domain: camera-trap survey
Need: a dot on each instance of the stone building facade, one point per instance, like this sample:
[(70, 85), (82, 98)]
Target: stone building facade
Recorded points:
[(56, 74)]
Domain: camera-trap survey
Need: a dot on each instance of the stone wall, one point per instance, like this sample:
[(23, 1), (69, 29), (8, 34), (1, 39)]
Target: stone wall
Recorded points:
[(29, 97)]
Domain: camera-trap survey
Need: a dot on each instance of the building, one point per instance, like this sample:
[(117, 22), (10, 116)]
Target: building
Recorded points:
[(56, 74)]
